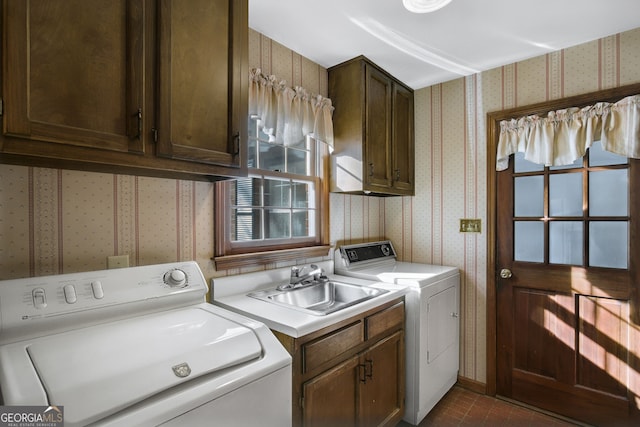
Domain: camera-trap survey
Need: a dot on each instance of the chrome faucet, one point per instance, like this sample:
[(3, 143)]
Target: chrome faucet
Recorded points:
[(298, 275), (301, 277)]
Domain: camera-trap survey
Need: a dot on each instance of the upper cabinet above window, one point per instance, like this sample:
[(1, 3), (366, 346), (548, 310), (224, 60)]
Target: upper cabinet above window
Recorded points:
[(373, 131), (135, 86)]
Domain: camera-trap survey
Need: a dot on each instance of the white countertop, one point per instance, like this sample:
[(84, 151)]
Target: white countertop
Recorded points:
[(290, 321)]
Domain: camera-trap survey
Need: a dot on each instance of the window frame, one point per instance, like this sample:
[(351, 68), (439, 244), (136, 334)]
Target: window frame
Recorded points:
[(229, 254)]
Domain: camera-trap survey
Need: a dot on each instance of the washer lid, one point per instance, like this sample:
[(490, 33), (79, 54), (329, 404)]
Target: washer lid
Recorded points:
[(100, 370)]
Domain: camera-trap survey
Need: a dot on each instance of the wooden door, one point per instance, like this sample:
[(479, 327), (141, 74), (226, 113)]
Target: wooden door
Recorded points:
[(73, 72), (403, 153), (203, 81), (381, 390), (567, 252), (330, 398), (377, 144)]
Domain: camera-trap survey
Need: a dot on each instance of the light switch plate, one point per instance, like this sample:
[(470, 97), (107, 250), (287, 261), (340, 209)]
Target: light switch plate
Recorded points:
[(468, 225), (118, 261)]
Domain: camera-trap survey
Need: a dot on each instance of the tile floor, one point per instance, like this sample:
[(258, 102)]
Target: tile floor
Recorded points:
[(461, 407)]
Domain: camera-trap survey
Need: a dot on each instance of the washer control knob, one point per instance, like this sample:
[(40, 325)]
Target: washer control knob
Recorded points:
[(175, 278)]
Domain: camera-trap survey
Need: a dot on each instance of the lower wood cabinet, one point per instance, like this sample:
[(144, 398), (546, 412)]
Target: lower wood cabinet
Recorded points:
[(351, 373)]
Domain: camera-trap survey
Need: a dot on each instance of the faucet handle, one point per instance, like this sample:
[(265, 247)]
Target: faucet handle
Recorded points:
[(295, 271)]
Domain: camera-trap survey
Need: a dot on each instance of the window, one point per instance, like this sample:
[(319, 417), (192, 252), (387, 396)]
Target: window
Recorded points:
[(279, 212), (573, 215)]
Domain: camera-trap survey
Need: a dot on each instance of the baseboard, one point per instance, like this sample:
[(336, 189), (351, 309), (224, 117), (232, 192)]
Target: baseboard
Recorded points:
[(472, 385)]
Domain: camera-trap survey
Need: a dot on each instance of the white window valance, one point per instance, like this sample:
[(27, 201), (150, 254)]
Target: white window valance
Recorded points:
[(289, 114), (563, 136)]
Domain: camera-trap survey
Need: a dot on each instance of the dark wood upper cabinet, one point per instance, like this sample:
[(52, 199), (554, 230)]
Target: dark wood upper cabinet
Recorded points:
[(132, 86), (201, 117), (374, 130), (73, 72)]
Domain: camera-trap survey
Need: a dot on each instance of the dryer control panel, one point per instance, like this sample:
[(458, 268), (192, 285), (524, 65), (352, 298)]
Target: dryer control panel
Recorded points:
[(364, 253), (35, 305)]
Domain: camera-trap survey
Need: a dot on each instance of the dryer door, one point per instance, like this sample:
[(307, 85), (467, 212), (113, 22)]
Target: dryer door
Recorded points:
[(442, 321)]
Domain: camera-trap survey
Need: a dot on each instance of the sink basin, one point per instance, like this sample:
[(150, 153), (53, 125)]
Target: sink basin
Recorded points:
[(319, 298)]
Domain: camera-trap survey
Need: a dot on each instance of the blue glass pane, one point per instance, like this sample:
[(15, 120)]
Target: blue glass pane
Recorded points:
[(528, 239), (565, 242)]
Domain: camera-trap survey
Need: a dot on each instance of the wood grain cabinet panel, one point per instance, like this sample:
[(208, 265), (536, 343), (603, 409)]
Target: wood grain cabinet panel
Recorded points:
[(134, 86), (202, 107), (344, 377), (373, 129), (74, 72)]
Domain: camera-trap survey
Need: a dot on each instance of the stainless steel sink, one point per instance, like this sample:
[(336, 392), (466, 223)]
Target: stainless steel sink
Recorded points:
[(319, 298)]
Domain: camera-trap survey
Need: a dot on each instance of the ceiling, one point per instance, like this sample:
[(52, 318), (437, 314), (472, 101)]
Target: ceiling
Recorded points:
[(463, 38)]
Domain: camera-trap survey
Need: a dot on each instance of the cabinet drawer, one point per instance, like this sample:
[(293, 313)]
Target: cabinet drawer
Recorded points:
[(331, 345), (385, 320)]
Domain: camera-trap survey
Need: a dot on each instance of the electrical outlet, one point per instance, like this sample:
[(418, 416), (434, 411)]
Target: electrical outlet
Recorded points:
[(118, 261), (470, 225)]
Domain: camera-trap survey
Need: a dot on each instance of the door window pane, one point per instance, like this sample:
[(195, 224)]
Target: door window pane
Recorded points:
[(577, 163), (608, 244), (565, 194), (565, 242), (599, 157), (608, 193), (529, 196), (522, 165), (529, 241)]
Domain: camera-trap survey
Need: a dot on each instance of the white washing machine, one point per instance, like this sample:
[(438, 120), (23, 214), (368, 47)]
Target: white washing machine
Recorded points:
[(138, 346), (432, 322)]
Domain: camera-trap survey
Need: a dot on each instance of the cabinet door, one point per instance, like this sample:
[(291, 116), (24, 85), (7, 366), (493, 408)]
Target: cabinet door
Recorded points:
[(377, 144), (203, 81), (382, 392), (330, 398), (73, 72), (403, 153)]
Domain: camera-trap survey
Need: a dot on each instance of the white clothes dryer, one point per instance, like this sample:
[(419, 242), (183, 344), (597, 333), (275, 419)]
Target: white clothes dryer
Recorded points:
[(432, 321)]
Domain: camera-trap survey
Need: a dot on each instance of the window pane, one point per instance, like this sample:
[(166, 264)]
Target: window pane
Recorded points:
[(529, 241), (245, 192), (565, 242), (565, 194), (608, 244), (599, 157), (529, 196), (522, 165), (272, 157), (302, 195), (303, 223), (246, 224), (278, 224), (252, 153), (277, 193), (298, 162), (609, 193)]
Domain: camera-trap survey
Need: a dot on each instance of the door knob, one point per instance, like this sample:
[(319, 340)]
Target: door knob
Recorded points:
[(505, 273)]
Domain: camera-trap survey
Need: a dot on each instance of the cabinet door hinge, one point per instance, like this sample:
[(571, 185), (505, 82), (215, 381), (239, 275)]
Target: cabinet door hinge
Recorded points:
[(155, 134), (302, 402), (1, 106)]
